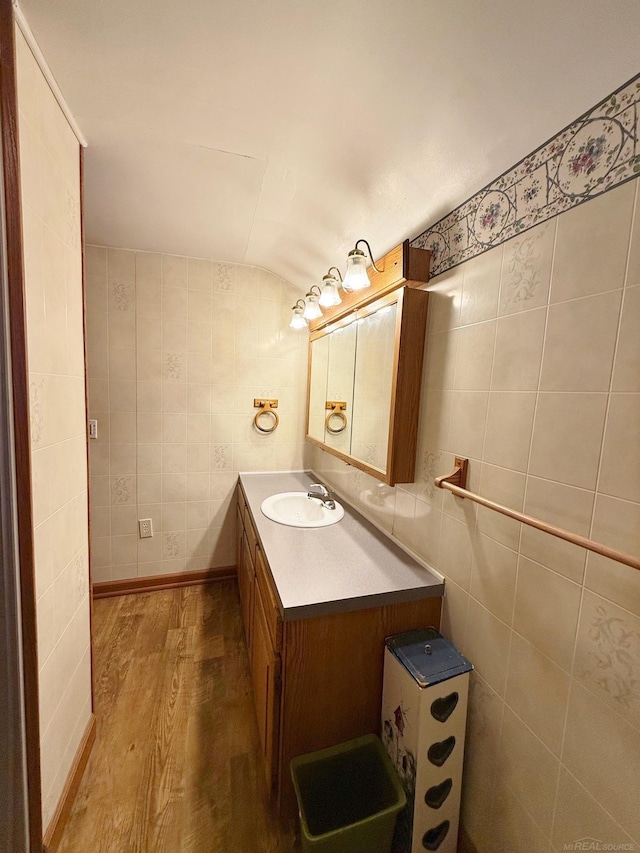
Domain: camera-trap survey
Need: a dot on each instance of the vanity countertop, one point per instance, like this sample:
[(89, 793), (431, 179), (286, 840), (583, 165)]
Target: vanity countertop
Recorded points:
[(350, 565)]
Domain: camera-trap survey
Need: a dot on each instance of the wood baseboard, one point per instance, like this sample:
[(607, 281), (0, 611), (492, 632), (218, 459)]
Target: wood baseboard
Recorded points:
[(58, 822), (153, 583)]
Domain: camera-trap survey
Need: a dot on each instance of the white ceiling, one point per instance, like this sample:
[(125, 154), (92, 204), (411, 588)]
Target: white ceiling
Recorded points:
[(277, 133)]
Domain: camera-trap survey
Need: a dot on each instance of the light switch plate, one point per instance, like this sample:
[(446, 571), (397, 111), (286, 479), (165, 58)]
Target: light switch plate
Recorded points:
[(93, 428)]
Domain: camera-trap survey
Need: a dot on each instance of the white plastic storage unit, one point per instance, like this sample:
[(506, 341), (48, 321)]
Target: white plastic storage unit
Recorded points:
[(424, 712)]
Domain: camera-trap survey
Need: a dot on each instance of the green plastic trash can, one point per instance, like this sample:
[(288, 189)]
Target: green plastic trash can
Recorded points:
[(348, 797)]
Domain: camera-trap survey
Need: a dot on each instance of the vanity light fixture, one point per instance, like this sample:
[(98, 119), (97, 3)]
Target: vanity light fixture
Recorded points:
[(297, 320), (355, 277), (312, 310), (329, 294)]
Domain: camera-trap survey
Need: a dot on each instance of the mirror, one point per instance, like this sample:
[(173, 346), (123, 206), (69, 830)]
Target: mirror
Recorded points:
[(364, 385), (331, 387), (318, 388), (339, 389), (373, 383)]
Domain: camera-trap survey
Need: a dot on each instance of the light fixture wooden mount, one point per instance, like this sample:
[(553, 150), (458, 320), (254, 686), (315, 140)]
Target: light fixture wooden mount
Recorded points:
[(403, 265)]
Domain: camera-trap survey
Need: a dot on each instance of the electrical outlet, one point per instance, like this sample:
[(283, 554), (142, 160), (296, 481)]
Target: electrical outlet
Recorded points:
[(93, 428), (145, 526)]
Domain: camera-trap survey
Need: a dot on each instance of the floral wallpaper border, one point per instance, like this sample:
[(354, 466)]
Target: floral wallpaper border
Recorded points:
[(597, 152)]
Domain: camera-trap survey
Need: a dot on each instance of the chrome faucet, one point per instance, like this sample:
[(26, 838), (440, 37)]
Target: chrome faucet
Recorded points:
[(317, 490)]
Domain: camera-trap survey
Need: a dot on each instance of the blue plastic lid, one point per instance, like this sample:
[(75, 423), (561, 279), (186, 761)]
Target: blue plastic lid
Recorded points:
[(427, 656)]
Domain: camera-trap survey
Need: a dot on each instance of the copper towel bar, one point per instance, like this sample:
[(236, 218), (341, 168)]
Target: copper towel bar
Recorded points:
[(456, 481)]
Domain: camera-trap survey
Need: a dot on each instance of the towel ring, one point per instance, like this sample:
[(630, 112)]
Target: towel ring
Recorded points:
[(337, 411), (266, 408)]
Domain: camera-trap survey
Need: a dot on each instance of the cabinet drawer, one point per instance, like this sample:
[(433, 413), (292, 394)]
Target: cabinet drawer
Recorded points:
[(242, 504), (252, 537), (239, 535), (269, 600)]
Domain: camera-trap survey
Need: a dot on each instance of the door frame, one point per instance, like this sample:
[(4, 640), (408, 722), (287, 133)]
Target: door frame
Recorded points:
[(19, 506)]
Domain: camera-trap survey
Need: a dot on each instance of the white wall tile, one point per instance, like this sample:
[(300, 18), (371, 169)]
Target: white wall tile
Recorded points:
[(615, 523), (445, 297), (526, 269), (487, 644), (456, 541), (505, 487), (626, 376), (518, 351), (633, 269), (591, 245), (455, 607), (608, 655), (481, 286), (546, 611), (537, 691), (529, 769), (493, 576), (567, 437), (474, 357), (578, 815), (467, 424), (579, 343), (509, 426), (620, 466), (608, 767)]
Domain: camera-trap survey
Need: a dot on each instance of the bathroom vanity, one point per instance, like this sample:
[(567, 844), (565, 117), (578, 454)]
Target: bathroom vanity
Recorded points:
[(317, 605)]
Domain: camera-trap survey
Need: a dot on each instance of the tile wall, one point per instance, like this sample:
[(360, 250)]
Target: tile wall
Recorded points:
[(533, 371), (178, 348), (49, 160)]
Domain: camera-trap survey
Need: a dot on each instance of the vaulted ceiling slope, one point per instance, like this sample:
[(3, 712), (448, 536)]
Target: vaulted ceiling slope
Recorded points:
[(276, 133)]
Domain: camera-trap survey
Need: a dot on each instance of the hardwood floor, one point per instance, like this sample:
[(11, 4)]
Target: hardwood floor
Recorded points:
[(176, 765)]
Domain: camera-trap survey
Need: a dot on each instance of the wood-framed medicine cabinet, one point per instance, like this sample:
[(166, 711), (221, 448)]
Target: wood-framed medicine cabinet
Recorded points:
[(365, 370)]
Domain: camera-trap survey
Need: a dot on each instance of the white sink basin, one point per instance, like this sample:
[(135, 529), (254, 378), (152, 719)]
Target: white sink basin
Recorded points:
[(298, 510)]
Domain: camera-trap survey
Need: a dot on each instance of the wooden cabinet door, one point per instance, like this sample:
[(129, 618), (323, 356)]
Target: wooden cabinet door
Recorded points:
[(246, 586), (239, 533), (269, 600), (266, 688)]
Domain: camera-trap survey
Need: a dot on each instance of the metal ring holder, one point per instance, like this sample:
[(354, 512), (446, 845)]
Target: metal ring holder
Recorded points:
[(337, 411), (266, 408)]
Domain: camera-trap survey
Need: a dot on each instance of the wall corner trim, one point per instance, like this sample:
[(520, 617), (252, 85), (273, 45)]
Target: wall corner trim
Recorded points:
[(27, 32), (53, 835)]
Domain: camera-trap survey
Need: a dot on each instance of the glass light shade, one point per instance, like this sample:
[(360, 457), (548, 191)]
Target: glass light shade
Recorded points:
[(298, 321), (312, 309), (356, 278), (329, 295)]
